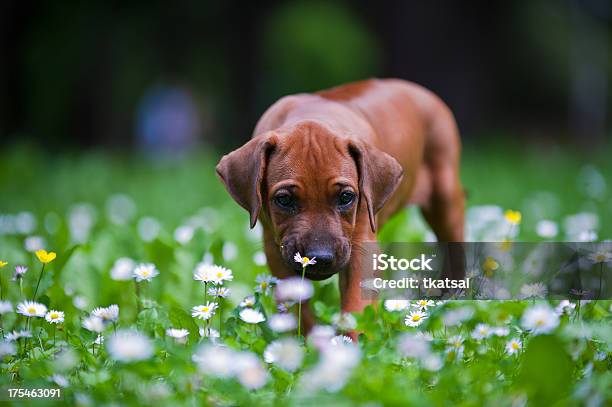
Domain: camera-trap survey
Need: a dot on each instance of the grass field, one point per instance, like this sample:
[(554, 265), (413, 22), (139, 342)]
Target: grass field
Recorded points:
[(92, 209)]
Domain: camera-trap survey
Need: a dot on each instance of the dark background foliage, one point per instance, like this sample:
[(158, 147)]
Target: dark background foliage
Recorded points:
[(79, 74)]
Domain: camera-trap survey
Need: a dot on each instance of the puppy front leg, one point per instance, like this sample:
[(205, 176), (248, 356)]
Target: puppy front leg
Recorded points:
[(352, 298)]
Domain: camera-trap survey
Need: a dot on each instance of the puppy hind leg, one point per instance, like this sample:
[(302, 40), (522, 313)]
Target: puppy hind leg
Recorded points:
[(445, 215), (445, 209)]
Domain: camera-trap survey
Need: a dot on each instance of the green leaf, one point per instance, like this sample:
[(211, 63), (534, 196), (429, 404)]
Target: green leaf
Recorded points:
[(179, 318), (546, 373)]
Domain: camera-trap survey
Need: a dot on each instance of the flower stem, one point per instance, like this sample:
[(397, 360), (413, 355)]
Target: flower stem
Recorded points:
[(220, 316), (300, 307), (137, 297), (600, 278), (38, 283)]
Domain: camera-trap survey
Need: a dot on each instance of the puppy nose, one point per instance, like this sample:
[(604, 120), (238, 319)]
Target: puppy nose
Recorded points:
[(322, 256)]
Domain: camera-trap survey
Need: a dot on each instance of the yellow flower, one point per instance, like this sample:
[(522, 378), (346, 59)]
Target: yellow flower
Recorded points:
[(513, 217), (3, 263), (489, 266), (45, 257)]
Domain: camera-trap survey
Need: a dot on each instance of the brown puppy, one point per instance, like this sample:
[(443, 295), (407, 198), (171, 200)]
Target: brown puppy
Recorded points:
[(324, 170)]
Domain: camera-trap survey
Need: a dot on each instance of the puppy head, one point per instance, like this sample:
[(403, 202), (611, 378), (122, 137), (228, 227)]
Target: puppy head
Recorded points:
[(310, 186)]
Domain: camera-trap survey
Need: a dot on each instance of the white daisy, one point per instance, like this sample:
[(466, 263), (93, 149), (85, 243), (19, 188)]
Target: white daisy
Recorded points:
[(304, 261), (5, 307), (108, 314), (248, 301), (55, 317), (535, 290), (344, 321), (282, 322), (413, 346), (211, 273), (265, 282), (31, 309), (60, 380), (145, 272), (80, 302), (426, 336), (205, 311), (320, 336), (179, 334), (214, 360), (423, 304), (221, 274), (210, 333), (251, 316), (456, 316), (259, 258), (204, 272), (123, 269), (183, 234), (250, 371), (129, 346), (565, 307), (341, 340), (600, 256), (513, 346), (481, 331), (7, 348), (229, 251), (540, 319), (13, 336), (396, 305), (501, 331), (455, 346), (294, 289), (547, 228), (220, 292), (334, 369), (284, 306), (415, 318), (93, 324), (286, 353), (19, 272)]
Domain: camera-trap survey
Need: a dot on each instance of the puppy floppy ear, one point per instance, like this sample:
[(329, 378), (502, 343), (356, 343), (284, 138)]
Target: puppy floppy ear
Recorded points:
[(242, 172), (379, 175)]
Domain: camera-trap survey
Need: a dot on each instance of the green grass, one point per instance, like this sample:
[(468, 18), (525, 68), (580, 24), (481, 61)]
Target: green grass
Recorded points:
[(570, 366)]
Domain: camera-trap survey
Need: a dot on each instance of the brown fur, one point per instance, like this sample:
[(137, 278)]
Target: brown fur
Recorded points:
[(388, 141)]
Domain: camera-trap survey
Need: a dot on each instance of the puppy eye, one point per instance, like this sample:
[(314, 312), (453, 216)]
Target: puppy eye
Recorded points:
[(346, 198), (284, 200)]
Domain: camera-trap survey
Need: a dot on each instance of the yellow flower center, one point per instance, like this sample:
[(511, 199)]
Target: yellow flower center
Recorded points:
[(219, 274), (515, 345), (600, 257), (31, 310), (145, 273), (540, 322), (416, 318), (205, 309), (54, 316), (305, 260), (513, 217), (490, 264), (264, 284)]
